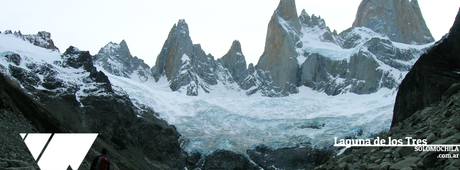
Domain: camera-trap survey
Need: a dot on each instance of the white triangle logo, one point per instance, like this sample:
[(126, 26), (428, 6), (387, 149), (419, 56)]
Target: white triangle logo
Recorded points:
[(36, 142), (58, 151)]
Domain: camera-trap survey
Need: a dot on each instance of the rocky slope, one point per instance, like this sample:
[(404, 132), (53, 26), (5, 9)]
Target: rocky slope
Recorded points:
[(19, 113), (401, 21)]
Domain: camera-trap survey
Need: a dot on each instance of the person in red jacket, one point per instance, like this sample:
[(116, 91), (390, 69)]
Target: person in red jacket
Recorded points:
[(101, 162)]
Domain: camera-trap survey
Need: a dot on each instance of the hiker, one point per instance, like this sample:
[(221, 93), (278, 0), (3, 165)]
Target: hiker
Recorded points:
[(101, 162)]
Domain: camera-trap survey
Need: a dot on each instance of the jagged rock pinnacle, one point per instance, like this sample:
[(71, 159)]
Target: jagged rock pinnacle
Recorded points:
[(400, 20), (235, 62), (279, 54), (236, 47), (176, 45), (304, 17), (287, 10), (184, 64), (311, 21), (124, 48), (182, 27)]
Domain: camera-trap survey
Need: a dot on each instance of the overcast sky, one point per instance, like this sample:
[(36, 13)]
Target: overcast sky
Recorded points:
[(91, 24)]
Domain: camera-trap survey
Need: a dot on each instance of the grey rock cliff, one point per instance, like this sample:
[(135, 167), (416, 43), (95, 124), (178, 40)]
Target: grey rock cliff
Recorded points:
[(400, 20)]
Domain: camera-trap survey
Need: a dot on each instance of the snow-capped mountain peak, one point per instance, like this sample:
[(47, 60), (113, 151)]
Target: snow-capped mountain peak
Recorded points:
[(117, 59)]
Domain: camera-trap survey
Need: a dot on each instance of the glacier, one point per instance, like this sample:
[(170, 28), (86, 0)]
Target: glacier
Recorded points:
[(236, 122)]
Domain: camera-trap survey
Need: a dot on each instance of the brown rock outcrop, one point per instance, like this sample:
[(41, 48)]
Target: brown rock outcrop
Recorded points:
[(279, 56)]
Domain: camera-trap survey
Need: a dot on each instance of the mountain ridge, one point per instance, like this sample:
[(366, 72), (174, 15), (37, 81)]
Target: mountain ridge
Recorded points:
[(296, 46)]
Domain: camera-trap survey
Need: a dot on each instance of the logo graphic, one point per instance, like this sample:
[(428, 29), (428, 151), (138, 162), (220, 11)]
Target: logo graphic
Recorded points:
[(58, 151)]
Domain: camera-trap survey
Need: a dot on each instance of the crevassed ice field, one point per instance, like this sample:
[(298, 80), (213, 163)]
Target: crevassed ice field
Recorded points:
[(234, 121)]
